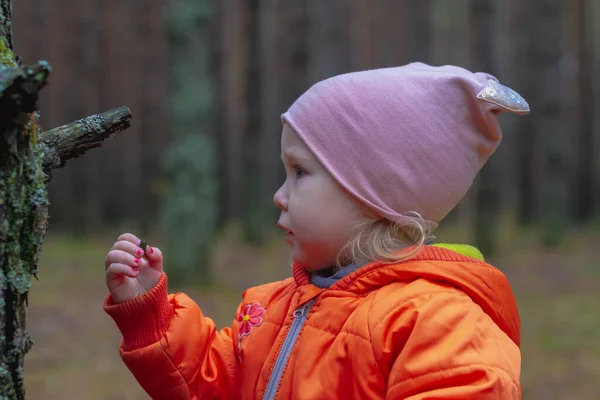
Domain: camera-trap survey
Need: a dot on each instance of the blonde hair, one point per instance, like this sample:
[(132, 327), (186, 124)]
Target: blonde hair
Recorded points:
[(379, 239)]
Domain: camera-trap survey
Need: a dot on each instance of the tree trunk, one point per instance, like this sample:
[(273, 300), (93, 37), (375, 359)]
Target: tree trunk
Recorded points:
[(328, 44), (26, 159), (232, 110), (271, 107), (523, 17), (363, 46), (276, 77), (151, 121), (451, 23), (418, 30), (390, 32), (547, 54), (594, 8), (190, 210), (481, 13), (586, 182), (292, 48), (252, 222)]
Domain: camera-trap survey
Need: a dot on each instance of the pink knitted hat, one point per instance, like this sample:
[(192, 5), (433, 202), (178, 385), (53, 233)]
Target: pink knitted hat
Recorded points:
[(405, 139)]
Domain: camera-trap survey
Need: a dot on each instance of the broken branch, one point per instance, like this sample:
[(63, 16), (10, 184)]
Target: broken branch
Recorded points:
[(72, 140)]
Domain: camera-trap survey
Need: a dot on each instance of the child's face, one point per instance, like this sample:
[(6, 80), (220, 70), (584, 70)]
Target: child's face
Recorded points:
[(318, 214)]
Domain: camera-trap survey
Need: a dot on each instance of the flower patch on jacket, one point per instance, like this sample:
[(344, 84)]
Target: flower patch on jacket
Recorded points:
[(250, 317)]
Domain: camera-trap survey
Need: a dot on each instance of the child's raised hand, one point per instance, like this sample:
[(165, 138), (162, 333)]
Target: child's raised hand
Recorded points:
[(128, 273)]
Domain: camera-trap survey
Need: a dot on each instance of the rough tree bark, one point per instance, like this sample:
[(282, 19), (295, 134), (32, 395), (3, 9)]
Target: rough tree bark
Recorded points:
[(27, 157)]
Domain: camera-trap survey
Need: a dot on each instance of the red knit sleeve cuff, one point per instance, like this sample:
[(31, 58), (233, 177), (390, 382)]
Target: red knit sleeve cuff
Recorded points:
[(142, 320)]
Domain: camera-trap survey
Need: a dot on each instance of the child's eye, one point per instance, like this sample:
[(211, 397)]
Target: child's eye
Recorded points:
[(300, 172)]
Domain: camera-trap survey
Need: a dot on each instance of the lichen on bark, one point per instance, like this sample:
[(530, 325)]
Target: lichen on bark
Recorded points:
[(23, 216), (23, 209)]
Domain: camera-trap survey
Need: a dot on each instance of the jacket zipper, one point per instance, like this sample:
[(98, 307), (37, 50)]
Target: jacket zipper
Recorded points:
[(299, 319)]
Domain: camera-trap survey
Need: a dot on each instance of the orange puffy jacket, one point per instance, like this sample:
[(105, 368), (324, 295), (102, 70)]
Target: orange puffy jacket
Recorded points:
[(439, 326)]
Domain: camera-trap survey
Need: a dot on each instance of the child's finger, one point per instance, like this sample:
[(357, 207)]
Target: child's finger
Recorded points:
[(117, 270), (129, 247), (122, 257), (130, 238), (154, 257)]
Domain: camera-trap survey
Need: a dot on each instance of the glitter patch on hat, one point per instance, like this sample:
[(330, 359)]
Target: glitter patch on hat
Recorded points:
[(504, 97)]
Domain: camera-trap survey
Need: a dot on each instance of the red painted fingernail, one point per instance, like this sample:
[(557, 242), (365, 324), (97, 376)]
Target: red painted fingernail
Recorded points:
[(137, 260), (138, 251)]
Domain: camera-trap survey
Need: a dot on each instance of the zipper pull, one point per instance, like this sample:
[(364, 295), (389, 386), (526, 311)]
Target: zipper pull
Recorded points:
[(300, 311)]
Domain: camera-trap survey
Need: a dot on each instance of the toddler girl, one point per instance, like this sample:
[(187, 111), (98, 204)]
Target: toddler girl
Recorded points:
[(374, 160)]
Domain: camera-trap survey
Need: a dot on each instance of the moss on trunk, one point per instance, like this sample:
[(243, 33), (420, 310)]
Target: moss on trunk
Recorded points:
[(23, 221)]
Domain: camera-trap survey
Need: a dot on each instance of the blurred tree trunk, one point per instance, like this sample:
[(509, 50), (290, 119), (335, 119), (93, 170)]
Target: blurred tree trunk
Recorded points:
[(523, 20), (546, 33), (151, 122), (391, 27), (481, 13), (106, 180), (418, 30), (276, 76), (252, 219), (232, 112), (587, 184), (128, 89), (84, 186), (362, 35), (191, 207), (271, 107), (328, 44), (59, 108), (263, 129), (452, 23), (292, 51), (595, 102), (449, 24)]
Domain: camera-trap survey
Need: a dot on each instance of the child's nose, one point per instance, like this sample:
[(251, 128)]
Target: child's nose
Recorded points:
[(280, 198)]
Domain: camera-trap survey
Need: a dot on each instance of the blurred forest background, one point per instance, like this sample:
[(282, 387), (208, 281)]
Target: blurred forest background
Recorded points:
[(207, 80)]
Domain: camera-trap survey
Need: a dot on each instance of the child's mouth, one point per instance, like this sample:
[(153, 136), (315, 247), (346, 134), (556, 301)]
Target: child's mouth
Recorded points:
[(289, 234)]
